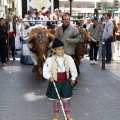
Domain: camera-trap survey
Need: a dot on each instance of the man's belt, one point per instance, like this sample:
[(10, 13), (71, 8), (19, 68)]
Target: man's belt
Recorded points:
[(11, 34), (62, 77)]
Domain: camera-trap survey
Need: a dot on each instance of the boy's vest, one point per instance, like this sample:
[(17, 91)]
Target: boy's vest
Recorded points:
[(30, 23), (54, 68), (38, 18)]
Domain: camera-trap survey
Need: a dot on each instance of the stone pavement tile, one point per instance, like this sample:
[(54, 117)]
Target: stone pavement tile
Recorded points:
[(22, 98)]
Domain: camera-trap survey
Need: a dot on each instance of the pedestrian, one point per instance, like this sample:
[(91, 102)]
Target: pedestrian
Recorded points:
[(94, 29), (48, 17), (3, 38), (108, 36), (117, 50), (113, 40), (11, 29), (37, 17), (56, 68), (69, 35), (29, 17)]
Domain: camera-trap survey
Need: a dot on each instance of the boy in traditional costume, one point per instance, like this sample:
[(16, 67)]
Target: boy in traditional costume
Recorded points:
[(57, 69)]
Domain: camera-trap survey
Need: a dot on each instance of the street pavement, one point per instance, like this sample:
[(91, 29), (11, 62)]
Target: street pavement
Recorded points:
[(23, 98)]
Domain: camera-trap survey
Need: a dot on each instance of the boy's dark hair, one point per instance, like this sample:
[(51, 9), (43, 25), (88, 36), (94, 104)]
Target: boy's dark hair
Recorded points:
[(108, 14), (36, 13), (29, 12), (95, 18), (1, 18), (65, 15), (43, 8)]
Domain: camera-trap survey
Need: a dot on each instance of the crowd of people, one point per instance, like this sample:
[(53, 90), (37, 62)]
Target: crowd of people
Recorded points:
[(104, 28), (8, 33), (67, 35)]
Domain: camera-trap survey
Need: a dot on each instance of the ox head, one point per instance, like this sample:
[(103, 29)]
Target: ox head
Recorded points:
[(40, 34), (84, 33)]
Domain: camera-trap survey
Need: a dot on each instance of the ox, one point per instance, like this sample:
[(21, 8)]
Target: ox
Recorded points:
[(38, 40), (80, 47)]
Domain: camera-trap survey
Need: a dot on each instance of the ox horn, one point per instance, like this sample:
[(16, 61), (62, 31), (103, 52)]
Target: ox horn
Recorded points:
[(26, 39)]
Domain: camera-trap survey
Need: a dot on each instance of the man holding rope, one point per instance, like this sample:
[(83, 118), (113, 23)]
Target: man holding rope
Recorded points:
[(56, 70), (69, 35)]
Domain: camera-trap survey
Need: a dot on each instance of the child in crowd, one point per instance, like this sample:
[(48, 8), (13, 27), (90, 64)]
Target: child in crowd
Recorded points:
[(56, 69)]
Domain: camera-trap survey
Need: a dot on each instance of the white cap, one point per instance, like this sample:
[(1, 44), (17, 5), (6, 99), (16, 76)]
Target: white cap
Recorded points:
[(56, 9)]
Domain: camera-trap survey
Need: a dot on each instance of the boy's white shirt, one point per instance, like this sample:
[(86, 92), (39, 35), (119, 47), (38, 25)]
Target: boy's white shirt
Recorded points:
[(11, 26), (47, 19), (48, 64)]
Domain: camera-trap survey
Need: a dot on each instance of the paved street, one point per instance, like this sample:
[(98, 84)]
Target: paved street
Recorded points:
[(23, 98)]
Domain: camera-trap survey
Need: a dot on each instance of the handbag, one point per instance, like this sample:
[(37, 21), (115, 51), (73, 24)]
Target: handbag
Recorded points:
[(118, 37), (112, 38)]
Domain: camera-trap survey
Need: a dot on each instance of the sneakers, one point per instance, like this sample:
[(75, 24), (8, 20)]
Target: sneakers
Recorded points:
[(4, 64), (93, 62), (14, 59), (74, 87), (108, 62)]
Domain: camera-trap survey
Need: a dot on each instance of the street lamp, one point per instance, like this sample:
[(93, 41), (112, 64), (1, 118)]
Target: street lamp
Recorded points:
[(70, 7)]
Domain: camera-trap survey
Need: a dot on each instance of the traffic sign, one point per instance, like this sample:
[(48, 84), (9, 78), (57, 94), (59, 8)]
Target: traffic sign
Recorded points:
[(111, 9)]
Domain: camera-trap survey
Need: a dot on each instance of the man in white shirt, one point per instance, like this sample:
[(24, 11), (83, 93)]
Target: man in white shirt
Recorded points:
[(107, 36), (11, 28), (47, 18), (37, 17), (56, 16), (30, 17)]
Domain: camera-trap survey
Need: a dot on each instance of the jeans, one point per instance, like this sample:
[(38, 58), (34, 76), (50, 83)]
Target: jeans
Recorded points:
[(93, 50), (108, 49), (3, 52)]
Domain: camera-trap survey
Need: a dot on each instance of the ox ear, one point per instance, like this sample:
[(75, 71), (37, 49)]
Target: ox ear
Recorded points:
[(50, 35), (47, 35)]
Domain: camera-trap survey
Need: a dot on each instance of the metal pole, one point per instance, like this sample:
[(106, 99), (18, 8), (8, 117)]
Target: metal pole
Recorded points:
[(95, 4), (103, 55), (70, 7), (8, 50)]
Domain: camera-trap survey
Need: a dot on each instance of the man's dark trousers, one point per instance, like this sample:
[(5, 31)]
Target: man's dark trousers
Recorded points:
[(93, 50), (108, 49), (3, 51), (12, 45)]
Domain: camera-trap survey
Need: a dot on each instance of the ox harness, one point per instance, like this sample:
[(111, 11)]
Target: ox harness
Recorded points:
[(41, 38), (34, 47)]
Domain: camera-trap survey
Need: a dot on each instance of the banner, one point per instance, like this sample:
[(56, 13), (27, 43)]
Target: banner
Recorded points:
[(38, 4)]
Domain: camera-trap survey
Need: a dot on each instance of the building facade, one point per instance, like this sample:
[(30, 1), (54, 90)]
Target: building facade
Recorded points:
[(13, 7), (85, 6)]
